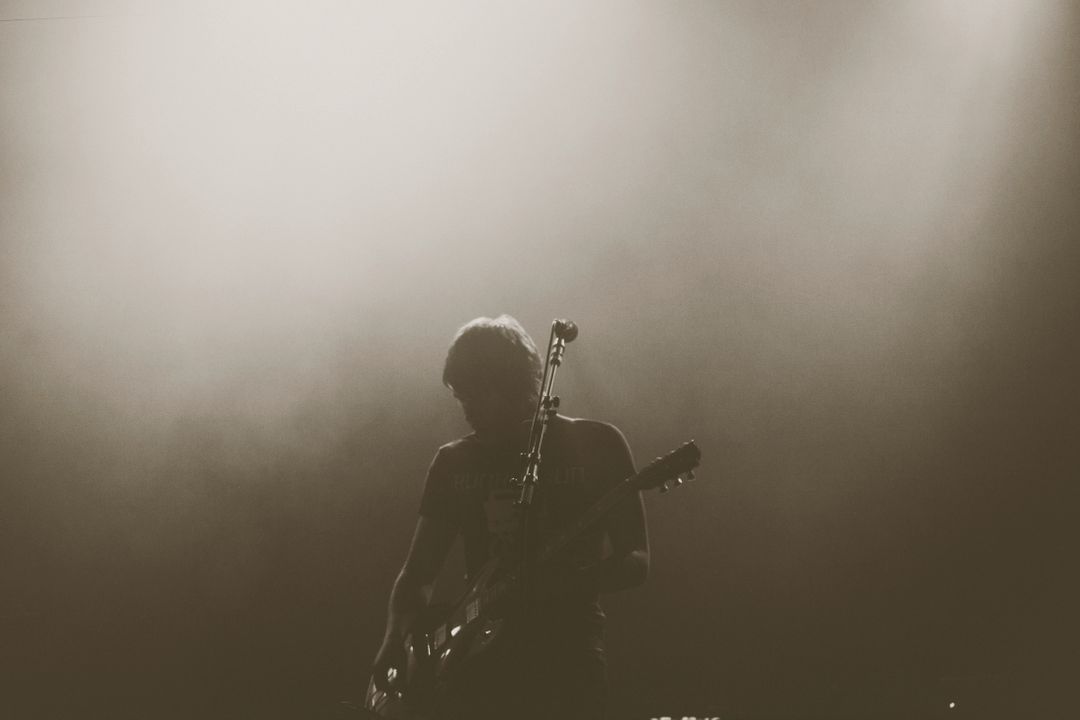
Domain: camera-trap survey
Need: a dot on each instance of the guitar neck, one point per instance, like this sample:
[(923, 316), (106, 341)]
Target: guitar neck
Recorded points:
[(559, 542), (593, 515)]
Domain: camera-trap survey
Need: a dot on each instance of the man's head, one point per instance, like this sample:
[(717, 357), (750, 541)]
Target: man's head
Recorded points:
[(494, 370)]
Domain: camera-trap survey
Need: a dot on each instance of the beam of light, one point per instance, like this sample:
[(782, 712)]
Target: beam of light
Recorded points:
[(253, 212)]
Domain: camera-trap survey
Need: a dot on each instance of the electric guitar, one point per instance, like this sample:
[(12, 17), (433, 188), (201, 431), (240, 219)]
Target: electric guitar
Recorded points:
[(445, 639)]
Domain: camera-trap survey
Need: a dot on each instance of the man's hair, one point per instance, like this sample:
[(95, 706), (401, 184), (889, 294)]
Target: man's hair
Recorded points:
[(494, 354)]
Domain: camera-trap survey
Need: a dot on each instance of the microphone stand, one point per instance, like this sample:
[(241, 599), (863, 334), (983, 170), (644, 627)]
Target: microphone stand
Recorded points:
[(547, 406)]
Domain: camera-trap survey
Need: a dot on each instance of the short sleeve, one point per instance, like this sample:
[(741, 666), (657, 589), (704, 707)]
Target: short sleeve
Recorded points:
[(611, 456), (437, 501), (622, 460)]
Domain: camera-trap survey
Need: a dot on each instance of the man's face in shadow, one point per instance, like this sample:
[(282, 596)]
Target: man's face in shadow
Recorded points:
[(487, 411)]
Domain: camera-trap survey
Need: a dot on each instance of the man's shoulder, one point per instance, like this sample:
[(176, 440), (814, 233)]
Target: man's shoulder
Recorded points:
[(457, 448), (597, 444), (596, 430), (461, 443)]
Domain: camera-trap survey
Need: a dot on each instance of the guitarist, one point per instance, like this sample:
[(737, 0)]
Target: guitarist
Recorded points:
[(549, 662)]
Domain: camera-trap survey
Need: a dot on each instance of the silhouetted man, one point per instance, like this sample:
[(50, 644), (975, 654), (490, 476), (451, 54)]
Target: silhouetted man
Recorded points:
[(549, 662)]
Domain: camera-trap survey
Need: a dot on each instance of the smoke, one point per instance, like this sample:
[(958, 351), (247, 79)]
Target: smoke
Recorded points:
[(830, 242)]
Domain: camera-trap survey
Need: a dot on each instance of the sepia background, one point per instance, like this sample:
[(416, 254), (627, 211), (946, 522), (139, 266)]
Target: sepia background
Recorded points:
[(834, 242)]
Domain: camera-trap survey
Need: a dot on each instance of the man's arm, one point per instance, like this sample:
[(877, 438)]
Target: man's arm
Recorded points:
[(628, 564), (431, 542)]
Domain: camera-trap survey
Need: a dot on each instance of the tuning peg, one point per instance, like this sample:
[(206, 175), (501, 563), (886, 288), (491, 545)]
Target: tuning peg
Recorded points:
[(664, 488), (690, 476)]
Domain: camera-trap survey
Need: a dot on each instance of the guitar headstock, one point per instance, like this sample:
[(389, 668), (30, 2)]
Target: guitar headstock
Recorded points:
[(671, 470)]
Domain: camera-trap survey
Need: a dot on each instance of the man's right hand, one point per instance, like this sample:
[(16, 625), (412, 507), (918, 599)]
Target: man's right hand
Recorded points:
[(389, 668), (412, 590)]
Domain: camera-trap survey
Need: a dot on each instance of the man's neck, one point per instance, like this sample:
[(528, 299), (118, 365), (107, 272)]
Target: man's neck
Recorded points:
[(512, 433)]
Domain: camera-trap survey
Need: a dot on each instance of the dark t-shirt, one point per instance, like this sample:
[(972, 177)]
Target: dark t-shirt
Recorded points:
[(469, 485)]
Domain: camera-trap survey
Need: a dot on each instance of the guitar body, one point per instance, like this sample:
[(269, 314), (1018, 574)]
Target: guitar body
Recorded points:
[(446, 641), (426, 679)]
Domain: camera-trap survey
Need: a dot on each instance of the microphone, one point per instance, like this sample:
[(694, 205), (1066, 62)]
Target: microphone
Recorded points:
[(566, 330)]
